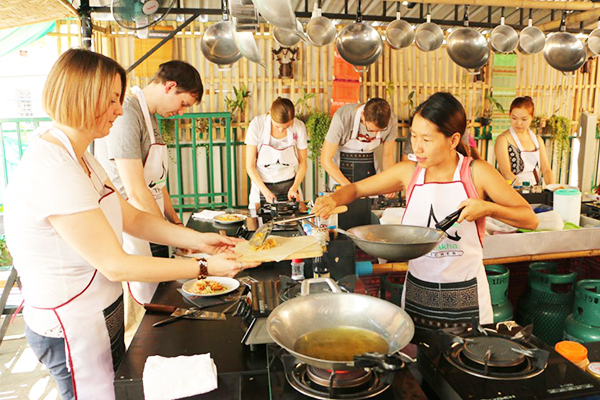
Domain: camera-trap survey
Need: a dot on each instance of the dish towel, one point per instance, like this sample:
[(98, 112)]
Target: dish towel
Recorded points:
[(207, 214), (167, 378)]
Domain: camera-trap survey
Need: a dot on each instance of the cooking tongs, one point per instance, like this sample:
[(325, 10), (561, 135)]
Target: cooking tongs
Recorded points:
[(265, 230), (447, 222)]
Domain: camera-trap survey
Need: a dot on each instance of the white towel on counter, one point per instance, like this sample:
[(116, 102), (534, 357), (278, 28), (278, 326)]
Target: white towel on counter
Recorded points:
[(167, 378), (208, 215)]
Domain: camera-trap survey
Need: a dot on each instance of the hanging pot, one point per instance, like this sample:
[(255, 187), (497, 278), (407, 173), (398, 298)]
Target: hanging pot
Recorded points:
[(218, 44), (593, 42), (399, 33), (468, 47), (564, 51), (531, 39), (320, 30), (504, 38), (286, 38), (429, 36), (359, 44), (280, 13)]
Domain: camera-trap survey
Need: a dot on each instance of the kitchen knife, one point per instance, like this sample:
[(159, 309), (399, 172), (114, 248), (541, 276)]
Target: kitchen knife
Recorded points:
[(178, 313)]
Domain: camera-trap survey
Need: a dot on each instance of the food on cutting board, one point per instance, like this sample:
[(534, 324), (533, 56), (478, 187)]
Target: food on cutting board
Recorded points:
[(268, 244), (204, 286)]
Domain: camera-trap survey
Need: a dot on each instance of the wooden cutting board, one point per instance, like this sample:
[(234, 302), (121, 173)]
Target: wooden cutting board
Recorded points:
[(288, 248)]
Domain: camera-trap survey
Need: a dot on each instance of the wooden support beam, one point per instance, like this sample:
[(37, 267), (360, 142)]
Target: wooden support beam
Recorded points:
[(548, 5)]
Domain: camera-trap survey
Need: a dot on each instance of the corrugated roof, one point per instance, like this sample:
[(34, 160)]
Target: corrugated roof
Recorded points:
[(24, 12)]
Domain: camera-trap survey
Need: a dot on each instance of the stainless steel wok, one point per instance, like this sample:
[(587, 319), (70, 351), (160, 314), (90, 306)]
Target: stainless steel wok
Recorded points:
[(564, 51), (218, 45), (593, 42), (301, 315), (468, 47)]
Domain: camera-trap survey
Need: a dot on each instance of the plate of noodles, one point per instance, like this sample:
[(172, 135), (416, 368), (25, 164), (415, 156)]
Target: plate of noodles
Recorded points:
[(230, 218), (211, 286)]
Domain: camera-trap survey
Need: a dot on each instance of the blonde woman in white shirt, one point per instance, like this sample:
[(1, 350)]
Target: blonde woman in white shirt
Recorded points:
[(64, 223)]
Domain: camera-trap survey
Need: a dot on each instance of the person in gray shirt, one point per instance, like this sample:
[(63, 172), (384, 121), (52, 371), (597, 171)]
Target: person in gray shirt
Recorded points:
[(356, 130)]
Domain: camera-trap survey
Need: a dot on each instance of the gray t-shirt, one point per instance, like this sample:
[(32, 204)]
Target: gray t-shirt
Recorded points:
[(128, 138), (342, 124)]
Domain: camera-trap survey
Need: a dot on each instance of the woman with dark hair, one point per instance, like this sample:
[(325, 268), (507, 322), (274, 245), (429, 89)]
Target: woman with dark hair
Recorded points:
[(521, 154), (276, 152), (447, 286)]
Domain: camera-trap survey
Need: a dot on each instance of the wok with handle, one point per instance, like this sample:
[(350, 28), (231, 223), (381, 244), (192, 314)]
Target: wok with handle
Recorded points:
[(310, 312), (400, 242)]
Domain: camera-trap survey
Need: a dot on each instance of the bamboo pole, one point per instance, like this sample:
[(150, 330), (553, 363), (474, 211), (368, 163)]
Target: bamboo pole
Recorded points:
[(573, 18), (534, 4)]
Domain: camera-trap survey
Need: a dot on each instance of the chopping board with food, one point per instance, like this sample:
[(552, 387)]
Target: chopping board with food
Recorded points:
[(278, 248)]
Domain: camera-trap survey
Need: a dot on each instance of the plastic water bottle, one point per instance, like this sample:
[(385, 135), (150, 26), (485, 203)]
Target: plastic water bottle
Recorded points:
[(297, 269)]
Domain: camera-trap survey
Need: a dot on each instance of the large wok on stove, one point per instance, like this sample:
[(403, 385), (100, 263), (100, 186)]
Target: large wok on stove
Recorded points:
[(308, 313)]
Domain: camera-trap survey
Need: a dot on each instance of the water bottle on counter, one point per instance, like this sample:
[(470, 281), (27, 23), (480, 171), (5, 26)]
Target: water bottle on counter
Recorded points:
[(297, 269), (320, 269)]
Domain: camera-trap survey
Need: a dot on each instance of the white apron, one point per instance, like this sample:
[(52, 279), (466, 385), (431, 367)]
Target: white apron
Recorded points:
[(454, 266), (274, 165), (531, 159), (155, 174), (92, 321), (357, 147)]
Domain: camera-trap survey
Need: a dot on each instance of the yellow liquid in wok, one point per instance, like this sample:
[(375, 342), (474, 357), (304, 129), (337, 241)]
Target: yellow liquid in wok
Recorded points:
[(340, 344)]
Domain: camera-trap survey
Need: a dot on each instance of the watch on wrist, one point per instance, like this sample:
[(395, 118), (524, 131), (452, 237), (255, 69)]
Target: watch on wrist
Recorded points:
[(202, 268)]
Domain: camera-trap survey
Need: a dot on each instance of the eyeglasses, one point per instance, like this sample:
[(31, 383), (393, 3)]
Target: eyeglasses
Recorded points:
[(366, 138)]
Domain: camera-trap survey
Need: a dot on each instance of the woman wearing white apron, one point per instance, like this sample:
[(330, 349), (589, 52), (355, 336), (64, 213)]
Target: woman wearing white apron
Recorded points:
[(356, 131), (276, 152), (448, 285), (63, 222), (520, 153)]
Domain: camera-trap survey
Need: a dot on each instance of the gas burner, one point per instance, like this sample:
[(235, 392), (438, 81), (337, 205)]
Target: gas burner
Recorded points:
[(332, 385), (289, 288), (495, 356)]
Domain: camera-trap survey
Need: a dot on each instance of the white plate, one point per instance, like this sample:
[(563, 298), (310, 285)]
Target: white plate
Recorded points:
[(241, 216), (230, 283), (553, 186)]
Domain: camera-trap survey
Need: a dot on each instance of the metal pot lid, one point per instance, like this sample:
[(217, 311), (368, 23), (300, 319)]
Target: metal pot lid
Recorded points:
[(218, 44), (359, 44), (468, 48), (564, 52)]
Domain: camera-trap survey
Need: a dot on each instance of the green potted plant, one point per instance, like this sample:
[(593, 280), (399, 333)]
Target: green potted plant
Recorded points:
[(560, 130), (237, 104), (5, 257), (317, 126), (167, 130), (486, 110), (539, 123), (303, 110), (411, 104)]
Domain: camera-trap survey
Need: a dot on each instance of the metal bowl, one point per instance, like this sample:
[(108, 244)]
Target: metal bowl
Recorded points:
[(359, 44), (504, 39), (218, 44), (564, 52), (593, 43), (399, 34), (468, 48), (429, 37), (320, 31), (286, 38), (531, 40)]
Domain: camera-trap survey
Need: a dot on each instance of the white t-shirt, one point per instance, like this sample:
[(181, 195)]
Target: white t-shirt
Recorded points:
[(255, 132), (48, 181)]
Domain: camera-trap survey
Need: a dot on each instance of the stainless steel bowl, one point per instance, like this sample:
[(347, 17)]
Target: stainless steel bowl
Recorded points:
[(320, 31), (504, 39), (564, 52), (468, 48), (399, 34), (218, 45), (286, 38), (360, 45), (531, 40), (593, 43), (429, 37)]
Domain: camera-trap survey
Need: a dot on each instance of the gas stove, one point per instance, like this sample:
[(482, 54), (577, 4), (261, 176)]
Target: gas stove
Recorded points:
[(591, 209), (497, 363)]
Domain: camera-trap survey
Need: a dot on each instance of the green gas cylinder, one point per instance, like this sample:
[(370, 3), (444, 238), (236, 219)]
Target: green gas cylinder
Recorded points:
[(547, 301), (584, 324), (497, 276)]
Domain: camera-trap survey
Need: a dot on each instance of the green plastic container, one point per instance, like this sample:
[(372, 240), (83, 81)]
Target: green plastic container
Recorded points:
[(497, 276), (547, 302), (584, 324)]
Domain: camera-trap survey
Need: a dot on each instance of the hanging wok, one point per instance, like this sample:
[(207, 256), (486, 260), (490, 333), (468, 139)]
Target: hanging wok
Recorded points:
[(291, 321)]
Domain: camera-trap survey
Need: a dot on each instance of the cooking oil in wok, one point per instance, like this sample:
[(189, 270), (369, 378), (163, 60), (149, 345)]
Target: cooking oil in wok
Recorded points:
[(340, 343)]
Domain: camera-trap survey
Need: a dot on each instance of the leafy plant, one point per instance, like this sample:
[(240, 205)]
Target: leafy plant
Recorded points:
[(390, 88), (5, 257), (317, 126), (560, 129), (167, 130), (486, 110), (538, 123), (238, 102), (201, 127), (411, 104), (302, 108)]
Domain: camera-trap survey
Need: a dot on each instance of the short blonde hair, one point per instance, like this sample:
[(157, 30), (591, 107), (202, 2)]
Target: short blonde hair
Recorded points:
[(78, 88), (282, 110)]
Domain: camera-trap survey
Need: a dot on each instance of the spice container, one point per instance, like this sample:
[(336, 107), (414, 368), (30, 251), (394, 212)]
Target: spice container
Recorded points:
[(593, 369), (574, 352), (297, 269)]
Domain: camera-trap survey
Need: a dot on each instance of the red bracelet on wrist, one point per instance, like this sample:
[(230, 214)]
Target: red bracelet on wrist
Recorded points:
[(202, 268)]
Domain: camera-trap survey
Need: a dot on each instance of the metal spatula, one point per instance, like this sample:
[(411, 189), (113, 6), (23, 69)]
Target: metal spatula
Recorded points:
[(259, 237)]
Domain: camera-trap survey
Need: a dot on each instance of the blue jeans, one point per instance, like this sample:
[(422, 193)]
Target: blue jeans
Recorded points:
[(51, 353)]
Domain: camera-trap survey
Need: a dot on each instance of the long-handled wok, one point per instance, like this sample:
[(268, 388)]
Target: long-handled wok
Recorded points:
[(400, 242)]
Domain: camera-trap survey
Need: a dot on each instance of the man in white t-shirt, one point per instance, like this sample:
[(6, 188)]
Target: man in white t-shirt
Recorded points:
[(276, 152)]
